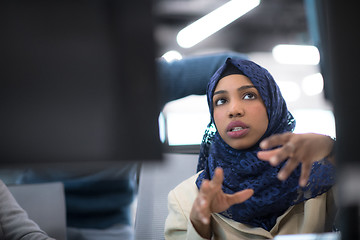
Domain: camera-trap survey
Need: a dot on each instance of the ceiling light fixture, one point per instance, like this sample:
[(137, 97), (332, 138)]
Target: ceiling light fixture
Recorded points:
[(214, 21), (172, 55), (313, 84), (296, 54)]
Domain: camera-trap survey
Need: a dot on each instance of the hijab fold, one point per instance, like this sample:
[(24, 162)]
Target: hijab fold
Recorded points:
[(242, 168)]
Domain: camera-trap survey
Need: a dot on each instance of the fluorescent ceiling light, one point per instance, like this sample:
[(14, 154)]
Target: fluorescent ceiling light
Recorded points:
[(296, 54), (172, 55), (313, 84), (162, 127), (214, 21)]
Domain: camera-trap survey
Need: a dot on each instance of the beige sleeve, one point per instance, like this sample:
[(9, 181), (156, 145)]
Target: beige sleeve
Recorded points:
[(178, 224)]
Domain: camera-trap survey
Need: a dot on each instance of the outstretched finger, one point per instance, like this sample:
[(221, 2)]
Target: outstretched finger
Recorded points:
[(269, 155), (240, 197), (266, 155), (286, 151), (205, 186), (287, 169), (210, 187), (275, 140), (218, 177), (305, 173), (276, 156)]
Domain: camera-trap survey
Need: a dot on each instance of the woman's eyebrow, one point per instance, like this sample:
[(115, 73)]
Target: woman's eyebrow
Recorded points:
[(219, 92), (239, 89)]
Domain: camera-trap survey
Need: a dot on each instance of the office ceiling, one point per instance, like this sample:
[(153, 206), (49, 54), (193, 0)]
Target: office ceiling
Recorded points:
[(271, 23)]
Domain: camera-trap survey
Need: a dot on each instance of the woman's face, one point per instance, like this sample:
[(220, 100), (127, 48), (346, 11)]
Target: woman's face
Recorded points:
[(239, 112)]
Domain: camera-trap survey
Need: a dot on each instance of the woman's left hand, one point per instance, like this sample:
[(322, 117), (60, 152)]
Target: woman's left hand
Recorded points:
[(297, 148), (210, 199)]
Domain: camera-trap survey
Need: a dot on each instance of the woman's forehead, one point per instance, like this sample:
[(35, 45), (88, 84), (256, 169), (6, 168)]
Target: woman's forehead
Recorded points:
[(233, 81)]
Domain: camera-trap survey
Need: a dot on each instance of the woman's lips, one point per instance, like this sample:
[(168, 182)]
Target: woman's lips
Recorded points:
[(237, 129)]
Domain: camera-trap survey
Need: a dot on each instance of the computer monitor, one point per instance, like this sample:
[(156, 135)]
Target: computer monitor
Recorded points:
[(339, 49), (77, 82)]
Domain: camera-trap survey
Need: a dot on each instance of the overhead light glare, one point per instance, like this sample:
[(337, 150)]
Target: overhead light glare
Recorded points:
[(172, 55), (214, 21), (296, 54), (313, 84), (162, 127)]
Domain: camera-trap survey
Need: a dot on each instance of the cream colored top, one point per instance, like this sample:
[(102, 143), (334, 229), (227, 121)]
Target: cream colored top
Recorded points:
[(312, 216)]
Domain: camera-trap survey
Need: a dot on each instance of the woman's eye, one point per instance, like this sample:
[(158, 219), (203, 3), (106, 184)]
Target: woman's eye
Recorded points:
[(220, 101), (249, 96)]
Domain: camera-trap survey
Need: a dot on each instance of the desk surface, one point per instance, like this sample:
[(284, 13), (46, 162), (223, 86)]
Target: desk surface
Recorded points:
[(323, 236)]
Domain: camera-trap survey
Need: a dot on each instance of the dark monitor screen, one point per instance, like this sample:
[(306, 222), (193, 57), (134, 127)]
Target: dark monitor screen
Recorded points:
[(339, 53), (77, 82)]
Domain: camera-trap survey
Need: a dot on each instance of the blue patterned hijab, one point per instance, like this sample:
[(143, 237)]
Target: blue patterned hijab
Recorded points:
[(242, 168)]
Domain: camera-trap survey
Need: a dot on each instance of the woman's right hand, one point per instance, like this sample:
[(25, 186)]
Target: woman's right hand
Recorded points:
[(211, 199)]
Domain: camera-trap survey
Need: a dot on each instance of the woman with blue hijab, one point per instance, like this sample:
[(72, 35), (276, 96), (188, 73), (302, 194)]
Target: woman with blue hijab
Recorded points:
[(235, 194)]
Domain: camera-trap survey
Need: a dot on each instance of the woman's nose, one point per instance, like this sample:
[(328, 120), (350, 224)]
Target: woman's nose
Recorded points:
[(236, 110)]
